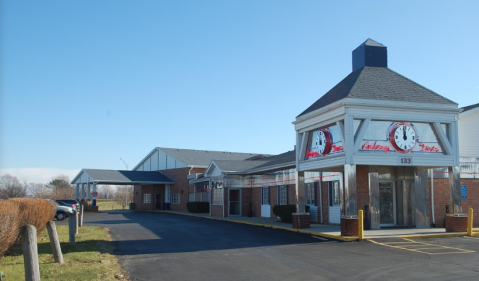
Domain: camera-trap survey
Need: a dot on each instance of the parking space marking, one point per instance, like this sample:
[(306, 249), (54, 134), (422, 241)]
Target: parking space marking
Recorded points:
[(475, 238), (424, 248)]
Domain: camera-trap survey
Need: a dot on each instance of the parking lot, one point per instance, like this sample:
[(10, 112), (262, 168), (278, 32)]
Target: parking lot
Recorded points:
[(163, 246)]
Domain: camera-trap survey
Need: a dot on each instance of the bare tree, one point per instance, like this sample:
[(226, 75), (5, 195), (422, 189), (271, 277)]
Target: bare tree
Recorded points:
[(39, 190), (11, 187), (124, 195), (105, 192)]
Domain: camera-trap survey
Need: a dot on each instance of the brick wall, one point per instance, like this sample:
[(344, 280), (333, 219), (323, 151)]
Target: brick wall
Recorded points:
[(181, 185), (362, 186), (246, 194), (472, 200), (256, 201)]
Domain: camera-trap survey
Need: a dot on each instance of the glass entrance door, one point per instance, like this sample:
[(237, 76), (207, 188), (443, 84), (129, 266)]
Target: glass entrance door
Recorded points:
[(386, 204)]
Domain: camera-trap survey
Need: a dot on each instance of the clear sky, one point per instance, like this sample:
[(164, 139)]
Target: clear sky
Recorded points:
[(85, 83)]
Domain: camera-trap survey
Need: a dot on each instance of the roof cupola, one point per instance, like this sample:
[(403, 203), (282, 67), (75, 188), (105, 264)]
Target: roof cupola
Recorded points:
[(370, 53)]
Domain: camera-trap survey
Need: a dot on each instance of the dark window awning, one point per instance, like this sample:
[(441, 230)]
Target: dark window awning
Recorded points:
[(120, 177)]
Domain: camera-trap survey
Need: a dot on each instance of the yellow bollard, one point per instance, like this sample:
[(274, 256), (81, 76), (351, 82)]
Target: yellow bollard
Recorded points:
[(360, 225), (470, 216)]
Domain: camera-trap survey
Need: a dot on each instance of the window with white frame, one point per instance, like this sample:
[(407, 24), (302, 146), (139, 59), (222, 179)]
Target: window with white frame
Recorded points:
[(334, 194), (146, 198), (309, 188), (175, 198), (283, 195), (217, 196)]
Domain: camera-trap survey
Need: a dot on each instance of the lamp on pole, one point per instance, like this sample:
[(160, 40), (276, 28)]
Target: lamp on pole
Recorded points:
[(126, 165)]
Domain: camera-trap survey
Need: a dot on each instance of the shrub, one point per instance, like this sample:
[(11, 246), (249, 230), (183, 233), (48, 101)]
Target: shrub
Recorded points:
[(285, 212), (9, 224), (198, 207), (36, 212)]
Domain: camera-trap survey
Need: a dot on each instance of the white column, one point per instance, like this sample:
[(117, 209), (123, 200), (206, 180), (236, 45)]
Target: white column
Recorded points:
[(82, 197), (94, 195), (167, 196), (77, 191), (88, 192), (350, 194)]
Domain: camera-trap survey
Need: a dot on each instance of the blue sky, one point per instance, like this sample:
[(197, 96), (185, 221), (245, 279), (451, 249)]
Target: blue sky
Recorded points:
[(85, 83)]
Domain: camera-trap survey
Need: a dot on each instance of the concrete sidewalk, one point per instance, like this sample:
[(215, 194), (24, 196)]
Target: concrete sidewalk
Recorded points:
[(334, 231)]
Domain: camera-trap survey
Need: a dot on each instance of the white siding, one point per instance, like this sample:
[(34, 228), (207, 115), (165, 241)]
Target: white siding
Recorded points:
[(154, 161), (334, 214), (468, 128)]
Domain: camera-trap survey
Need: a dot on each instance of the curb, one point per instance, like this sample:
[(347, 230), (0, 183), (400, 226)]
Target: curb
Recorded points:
[(321, 234)]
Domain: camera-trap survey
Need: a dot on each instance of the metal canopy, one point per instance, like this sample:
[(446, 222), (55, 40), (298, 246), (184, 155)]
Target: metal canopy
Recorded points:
[(121, 177)]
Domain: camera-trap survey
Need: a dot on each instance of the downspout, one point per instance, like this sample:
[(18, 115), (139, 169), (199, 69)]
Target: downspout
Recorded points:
[(224, 176), (432, 198), (321, 196)]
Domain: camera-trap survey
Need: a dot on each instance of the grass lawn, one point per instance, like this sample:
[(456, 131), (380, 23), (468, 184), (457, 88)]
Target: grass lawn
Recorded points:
[(89, 259), (104, 205)]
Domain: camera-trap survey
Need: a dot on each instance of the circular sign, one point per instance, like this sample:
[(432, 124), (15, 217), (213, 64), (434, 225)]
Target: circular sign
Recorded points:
[(94, 194)]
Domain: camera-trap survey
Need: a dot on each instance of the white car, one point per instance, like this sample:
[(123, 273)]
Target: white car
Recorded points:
[(62, 211)]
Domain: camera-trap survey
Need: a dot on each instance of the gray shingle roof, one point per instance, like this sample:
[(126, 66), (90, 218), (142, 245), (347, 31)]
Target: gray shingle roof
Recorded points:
[(238, 165), (469, 107), (127, 177), (378, 83), (283, 160), (204, 157)]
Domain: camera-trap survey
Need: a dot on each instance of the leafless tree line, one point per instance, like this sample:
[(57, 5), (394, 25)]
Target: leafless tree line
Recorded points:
[(59, 187)]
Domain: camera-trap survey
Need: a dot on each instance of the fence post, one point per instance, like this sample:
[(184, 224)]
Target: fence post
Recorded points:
[(360, 225), (30, 253), (54, 242), (80, 222), (75, 214), (470, 217), (71, 229)]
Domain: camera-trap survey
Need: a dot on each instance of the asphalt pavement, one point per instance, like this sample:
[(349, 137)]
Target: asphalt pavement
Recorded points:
[(166, 246)]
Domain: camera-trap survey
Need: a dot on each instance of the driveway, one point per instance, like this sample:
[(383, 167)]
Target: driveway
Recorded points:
[(164, 246)]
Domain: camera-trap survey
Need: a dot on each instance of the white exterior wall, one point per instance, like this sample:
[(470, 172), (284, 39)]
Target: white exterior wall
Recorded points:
[(160, 160), (468, 128)]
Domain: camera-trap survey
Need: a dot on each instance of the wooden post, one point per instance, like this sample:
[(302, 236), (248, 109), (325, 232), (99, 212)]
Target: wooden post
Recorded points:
[(71, 229), (80, 222), (30, 253), (75, 214), (55, 242)]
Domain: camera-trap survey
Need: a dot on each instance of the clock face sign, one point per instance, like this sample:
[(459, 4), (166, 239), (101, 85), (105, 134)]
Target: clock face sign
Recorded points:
[(323, 141), (403, 137)]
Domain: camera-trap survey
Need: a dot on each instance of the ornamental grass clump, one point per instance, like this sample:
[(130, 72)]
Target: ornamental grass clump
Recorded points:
[(17, 212), (9, 224)]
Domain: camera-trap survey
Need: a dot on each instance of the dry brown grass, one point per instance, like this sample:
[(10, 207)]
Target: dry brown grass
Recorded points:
[(15, 213), (9, 224)]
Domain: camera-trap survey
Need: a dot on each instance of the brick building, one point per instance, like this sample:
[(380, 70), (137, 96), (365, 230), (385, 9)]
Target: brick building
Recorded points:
[(376, 141)]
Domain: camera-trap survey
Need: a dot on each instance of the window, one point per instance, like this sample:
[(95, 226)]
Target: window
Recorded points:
[(334, 194), (147, 198), (217, 196), (310, 198), (175, 198), (265, 195), (283, 195)]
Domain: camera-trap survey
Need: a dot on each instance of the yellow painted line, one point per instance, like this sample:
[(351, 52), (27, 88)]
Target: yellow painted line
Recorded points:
[(421, 247), (471, 237)]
